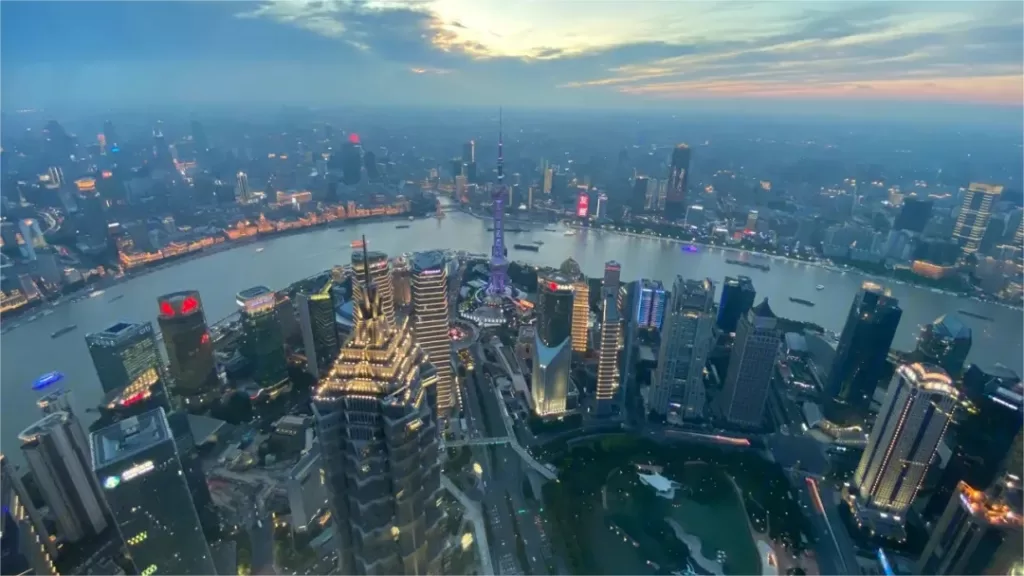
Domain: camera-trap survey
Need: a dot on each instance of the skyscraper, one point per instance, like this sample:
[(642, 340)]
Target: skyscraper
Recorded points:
[(380, 275), (751, 367), (860, 358), (430, 322), (914, 416), (498, 283), (737, 297), (189, 348), (319, 329), (638, 196), (975, 212), (123, 353), (552, 350), (351, 161), (61, 471), (678, 176), (686, 341), (945, 343), (401, 281), (612, 278), (608, 355), (914, 215), (469, 160), (649, 309), (242, 192), (24, 538), (262, 339), (580, 304), (379, 445), (976, 534), (137, 463)]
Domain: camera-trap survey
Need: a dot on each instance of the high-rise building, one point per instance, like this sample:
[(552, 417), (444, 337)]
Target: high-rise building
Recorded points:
[(601, 211), (976, 534), (136, 461), (262, 339), (861, 356), (242, 192), (686, 340), (612, 278), (552, 350), (319, 329), (32, 237), (91, 222), (379, 446), (608, 356), (695, 215), (110, 134), (638, 197), (307, 490), (649, 309), (678, 176), (945, 343), (915, 414), (61, 471), (580, 304), (751, 367), (975, 212), (469, 152), (125, 354), (189, 348), (549, 175), (914, 215), (738, 296), (401, 280), (431, 322), (380, 275), (25, 542)]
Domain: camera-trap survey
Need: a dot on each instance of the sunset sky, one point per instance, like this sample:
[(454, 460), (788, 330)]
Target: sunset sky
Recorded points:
[(529, 53)]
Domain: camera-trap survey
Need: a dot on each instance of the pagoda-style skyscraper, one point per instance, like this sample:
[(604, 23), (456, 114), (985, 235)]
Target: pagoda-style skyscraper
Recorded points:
[(379, 441)]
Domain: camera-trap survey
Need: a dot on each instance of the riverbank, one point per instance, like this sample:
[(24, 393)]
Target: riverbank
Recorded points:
[(813, 263)]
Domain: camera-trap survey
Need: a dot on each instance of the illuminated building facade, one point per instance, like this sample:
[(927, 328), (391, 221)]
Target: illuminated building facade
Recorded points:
[(678, 176), (61, 470), (401, 279), (31, 236), (686, 341), (126, 355), (242, 192), (25, 541), (580, 304), (136, 462), (319, 329), (612, 278), (738, 296), (751, 367), (945, 343), (431, 322), (975, 212), (262, 338), (498, 283), (910, 425), (552, 350), (379, 446), (189, 347), (976, 534), (380, 275), (649, 309), (608, 356), (860, 361)]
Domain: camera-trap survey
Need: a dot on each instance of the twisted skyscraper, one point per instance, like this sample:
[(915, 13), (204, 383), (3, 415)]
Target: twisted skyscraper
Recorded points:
[(499, 264)]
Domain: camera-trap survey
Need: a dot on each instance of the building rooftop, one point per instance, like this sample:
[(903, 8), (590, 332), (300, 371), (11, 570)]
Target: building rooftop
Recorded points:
[(431, 260), (951, 326), (129, 437), (43, 426), (253, 292), (119, 330)]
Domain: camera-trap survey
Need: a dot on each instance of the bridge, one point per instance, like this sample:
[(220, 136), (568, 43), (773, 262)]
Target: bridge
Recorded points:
[(545, 471), (474, 515), (475, 442)]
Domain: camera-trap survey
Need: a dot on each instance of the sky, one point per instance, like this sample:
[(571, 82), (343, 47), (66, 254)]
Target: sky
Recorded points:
[(601, 54)]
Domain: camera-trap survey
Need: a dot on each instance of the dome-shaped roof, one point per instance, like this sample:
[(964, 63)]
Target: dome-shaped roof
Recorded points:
[(571, 268)]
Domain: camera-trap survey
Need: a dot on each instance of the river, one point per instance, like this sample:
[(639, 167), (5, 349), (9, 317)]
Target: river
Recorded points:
[(28, 351)]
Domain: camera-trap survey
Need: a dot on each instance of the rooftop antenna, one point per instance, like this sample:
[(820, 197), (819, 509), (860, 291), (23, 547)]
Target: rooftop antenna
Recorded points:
[(366, 267), (501, 156)]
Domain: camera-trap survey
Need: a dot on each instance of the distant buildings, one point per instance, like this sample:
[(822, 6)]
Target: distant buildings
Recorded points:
[(189, 348), (679, 172), (242, 192), (686, 339), (975, 212), (552, 349), (914, 417), (608, 355), (737, 297), (31, 236), (137, 463), (751, 367), (431, 322), (262, 341), (861, 356), (379, 444), (914, 215)]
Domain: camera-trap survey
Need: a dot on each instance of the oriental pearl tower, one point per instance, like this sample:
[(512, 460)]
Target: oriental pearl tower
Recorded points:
[(497, 286)]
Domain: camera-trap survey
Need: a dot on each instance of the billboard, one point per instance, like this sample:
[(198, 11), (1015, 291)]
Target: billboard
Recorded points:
[(582, 205)]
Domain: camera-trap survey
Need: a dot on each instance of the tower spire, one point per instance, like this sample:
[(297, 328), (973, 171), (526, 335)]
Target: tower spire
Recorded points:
[(367, 282), (501, 154)]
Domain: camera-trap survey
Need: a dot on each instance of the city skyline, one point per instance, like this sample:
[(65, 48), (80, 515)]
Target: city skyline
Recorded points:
[(825, 57)]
